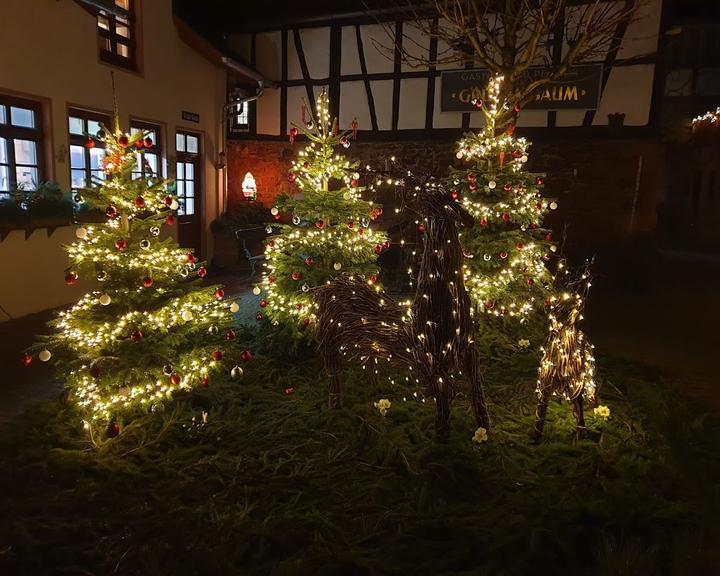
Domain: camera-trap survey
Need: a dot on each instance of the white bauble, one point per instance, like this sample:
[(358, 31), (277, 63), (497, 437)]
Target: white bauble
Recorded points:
[(492, 184), (187, 315), (174, 205), (337, 265), (104, 299), (553, 205), (234, 307), (236, 373), (459, 154), (256, 290), (81, 233), (44, 355), (274, 211)]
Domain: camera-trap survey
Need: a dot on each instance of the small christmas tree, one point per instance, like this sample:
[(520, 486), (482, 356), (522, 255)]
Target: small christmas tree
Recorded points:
[(330, 232), (151, 329), (505, 253)]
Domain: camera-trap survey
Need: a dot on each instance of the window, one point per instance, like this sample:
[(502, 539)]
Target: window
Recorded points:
[(116, 34), (187, 177), (149, 163), (21, 139), (85, 163), (240, 117)]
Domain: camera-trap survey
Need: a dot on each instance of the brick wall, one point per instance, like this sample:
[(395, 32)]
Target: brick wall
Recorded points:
[(593, 180)]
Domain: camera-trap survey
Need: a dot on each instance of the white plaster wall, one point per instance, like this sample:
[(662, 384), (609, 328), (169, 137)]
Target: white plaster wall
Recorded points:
[(49, 50)]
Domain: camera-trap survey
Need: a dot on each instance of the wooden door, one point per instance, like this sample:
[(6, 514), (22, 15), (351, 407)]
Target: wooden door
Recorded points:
[(189, 192)]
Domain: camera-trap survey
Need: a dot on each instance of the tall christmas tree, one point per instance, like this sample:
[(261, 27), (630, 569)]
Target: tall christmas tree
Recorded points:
[(331, 230), (505, 253), (151, 328)]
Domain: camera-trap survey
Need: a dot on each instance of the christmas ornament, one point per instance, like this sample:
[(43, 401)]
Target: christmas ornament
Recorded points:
[(245, 356), (120, 244), (139, 144), (234, 307), (148, 142), (503, 255), (81, 233), (202, 272), (70, 278), (230, 335), (155, 231), (492, 184), (553, 205), (174, 205), (256, 290), (293, 133), (274, 211), (507, 187), (145, 244), (113, 430), (337, 266), (204, 381), (213, 330), (217, 355), (421, 227), (219, 293), (176, 379), (292, 177), (169, 219), (345, 142), (263, 303), (373, 278), (289, 391), (104, 300), (27, 359), (487, 257), (136, 336), (89, 143), (539, 181), (295, 276), (269, 229), (530, 281), (296, 220), (505, 217), (258, 316), (489, 305), (139, 202), (309, 261), (483, 222), (378, 249), (147, 281), (236, 373), (305, 288), (123, 140), (187, 315), (168, 200), (102, 275), (320, 224), (79, 199), (111, 212)]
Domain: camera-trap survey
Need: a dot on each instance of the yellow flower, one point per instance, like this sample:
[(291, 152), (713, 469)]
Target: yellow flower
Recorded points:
[(383, 405), (480, 435), (602, 412)]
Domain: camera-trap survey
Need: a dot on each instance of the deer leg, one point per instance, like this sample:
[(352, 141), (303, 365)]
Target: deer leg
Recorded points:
[(332, 367), (477, 394), (541, 413), (580, 429), (442, 407)]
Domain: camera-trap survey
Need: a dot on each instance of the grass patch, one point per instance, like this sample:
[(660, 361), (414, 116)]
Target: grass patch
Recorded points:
[(277, 484)]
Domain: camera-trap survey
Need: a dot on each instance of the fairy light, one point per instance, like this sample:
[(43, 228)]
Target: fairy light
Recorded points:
[(709, 118)]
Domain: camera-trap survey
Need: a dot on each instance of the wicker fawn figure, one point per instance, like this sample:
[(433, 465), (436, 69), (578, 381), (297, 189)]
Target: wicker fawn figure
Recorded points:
[(433, 336), (567, 368)]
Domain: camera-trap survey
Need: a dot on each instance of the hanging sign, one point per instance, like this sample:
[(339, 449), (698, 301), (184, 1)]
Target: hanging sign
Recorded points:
[(191, 116), (579, 88)]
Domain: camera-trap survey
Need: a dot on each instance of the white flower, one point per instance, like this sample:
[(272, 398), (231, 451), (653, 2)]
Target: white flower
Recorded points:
[(523, 343), (602, 412), (480, 435), (383, 405)]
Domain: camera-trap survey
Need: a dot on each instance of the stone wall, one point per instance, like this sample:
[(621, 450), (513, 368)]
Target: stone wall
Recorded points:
[(594, 181)]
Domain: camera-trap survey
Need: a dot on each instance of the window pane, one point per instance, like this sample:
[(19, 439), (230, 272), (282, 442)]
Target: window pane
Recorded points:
[(3, 151), (76, 125), (152, 160), (181, 207), (96, 155), (189, 189), (22, 117), (25, 152), (97, 175), (180, 142), (77, 178), (192, 144), (124, 4), (93, 127), (103, 22), (180, 171), (190, 171), (180, 191), (4, 178), (27, 177), (104, 44), (122, 50), (77, 157), (189, 206), (3, 117), (122, 28)]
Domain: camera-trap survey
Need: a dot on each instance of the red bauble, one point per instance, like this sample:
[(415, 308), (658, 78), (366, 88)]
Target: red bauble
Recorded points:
[(120, 244), (148, 142), (271, 243), (306, 164), (530, 281), (292, 176), (289, 391), (258, 317), (306, 321), (472, 186), (245, 356), (204, 381), (378, 249), (539, 181), (230, 335), (113, 430), (517, 153), (271, 279), (511, 129), (533, 226), (489, 305), (354, 182), (467, 253), (350, 224), (293, 133), (90, 143), (147, 281), (505, 217), (136, 336), (507, 187), (168, 200), (176, 379), (111, 212), (548, 237), (519, 246), (123, 140), (95, 371), (454, 194), (169, 219), (299, 306), (320, 224), (217, 355), (139, 202), (191, 258), (139, 143), (202, 272), (263, 303), (483, 222), (360, 231), (548, 303), (295, 276), (386, 244), (373, 278), (421, 227), (470, 177), (503, 254), (309, 261), (516, 109), (70, 278), (478, 104), (219, 293), (26, 359), (277, 216)]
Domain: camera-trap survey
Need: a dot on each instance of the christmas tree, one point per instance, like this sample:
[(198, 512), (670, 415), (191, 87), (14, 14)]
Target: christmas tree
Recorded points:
[(505, 253), (330, 232), (151, 328)]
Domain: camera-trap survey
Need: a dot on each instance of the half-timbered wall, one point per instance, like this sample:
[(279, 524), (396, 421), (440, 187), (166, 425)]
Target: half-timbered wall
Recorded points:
[(369, 82)]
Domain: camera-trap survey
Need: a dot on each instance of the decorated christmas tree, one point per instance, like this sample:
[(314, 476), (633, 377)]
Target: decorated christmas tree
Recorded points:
[(151, 328), (331, 230), (505, 252)]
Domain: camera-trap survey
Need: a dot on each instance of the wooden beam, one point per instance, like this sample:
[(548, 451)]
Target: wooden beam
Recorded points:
[(365, 78), (430, 98), (335, 70), (284, 87), (304, 70), (397, 71)]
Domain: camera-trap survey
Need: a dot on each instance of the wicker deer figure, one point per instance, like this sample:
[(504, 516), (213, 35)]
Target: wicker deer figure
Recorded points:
[(433, 337), (567, 368)]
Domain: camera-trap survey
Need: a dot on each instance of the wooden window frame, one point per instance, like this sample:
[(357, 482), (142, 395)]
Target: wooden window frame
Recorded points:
[(184, 156), (11, 133), (111, 36), (81, 139), (143, 170)]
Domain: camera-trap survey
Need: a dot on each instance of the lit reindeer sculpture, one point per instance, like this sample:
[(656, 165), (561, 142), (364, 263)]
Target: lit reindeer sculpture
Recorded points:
[(567, 368), (433, 337)]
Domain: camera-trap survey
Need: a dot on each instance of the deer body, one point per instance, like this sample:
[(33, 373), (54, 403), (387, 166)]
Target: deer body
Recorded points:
[(434, 337)]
